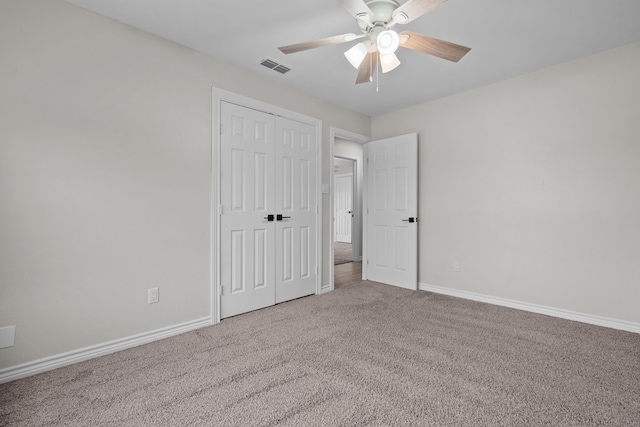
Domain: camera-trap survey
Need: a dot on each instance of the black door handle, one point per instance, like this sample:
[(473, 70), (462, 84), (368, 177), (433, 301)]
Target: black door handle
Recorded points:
[(269, 217), (280, 217), (412, 219)]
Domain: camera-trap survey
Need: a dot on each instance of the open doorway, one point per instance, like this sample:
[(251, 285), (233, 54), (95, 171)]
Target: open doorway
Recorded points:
[(344, 250), (346, 261), (347, 156)]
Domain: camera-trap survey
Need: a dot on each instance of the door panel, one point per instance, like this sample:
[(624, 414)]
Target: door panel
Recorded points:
[(260, 258), (305, 262), (296, 233), (392, 241), (247, 261)]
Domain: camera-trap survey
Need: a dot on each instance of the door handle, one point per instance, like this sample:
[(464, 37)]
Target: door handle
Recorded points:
[(412, 219), (269, 217), (280, 217)]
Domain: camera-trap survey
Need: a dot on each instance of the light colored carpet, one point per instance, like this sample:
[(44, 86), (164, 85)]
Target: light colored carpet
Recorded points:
[(365, 354), (342, 253)]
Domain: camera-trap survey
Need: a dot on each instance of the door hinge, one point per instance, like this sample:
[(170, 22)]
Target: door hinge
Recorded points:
[(316, 270), (221, 290), (220, 209), (220, 128)]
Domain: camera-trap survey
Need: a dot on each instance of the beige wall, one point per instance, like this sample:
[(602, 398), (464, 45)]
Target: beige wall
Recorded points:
[(533, 185), (105, 176)]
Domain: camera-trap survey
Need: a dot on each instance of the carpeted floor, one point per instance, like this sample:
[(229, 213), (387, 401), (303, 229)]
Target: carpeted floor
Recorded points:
[(365, 354), (342, 253)]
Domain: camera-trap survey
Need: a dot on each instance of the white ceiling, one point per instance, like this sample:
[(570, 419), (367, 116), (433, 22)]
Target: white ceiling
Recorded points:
[(507, 37)]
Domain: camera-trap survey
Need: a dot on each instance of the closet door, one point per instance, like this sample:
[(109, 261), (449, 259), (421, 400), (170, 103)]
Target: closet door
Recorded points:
[(268, 230), (247, 195), (296, 231)]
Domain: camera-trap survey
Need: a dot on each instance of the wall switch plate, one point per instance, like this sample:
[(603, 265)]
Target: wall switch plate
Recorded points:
[(325, 188), (153, 295), (456, 266), (7, 336)]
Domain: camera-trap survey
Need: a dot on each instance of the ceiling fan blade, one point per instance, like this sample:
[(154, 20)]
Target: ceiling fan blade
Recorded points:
[(356, 7), (413, 9), (429, 45), (368, 65), (327, 41)]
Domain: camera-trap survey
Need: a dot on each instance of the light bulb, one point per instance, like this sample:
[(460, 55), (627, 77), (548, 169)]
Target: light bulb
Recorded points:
[(387, 42)]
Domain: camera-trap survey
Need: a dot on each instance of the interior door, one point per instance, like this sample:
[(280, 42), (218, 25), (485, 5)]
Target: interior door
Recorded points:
[(392, 211), (344, 207), (296, 229), (247, 195)]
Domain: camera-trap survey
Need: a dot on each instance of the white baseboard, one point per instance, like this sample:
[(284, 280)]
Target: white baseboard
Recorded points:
[(326, 288), (540, 309), (75, 356)]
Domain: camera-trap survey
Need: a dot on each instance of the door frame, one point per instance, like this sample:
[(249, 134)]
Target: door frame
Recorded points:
[(334, 133), (219, 96)]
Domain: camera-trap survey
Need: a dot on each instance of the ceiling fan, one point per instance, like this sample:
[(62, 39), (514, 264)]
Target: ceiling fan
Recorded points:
[(375, 19)]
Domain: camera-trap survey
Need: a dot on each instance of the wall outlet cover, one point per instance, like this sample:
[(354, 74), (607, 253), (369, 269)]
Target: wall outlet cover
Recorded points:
[(153, 295), (7, 336)]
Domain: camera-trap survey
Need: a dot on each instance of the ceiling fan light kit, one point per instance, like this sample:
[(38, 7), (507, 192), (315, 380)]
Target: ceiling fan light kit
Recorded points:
[(375, 19), (357, 53), (387, 42), (389, 62)]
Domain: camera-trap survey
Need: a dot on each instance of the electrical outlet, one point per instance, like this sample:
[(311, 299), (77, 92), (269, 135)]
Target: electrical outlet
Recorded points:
[(456, 266), (153, 295), (7, 336)]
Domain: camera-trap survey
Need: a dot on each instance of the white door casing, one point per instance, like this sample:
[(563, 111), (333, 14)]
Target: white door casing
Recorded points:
[(268, 168), (392, 211), (343, 207)]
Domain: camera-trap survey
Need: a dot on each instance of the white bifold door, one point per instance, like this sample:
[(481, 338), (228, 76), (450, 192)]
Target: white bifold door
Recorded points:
[(268, 220), (391, 247)]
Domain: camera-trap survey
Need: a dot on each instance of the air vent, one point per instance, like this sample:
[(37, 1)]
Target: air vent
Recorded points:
[(270, 63), (282, 69)]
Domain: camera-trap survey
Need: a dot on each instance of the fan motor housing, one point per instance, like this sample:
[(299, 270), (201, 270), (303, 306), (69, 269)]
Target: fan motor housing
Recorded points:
[(382, 10)]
